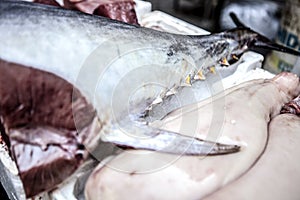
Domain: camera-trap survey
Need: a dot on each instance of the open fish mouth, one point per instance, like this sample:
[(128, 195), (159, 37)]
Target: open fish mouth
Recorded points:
[(136, 84)]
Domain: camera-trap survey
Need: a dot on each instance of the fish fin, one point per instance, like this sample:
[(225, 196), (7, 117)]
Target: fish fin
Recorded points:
[(149, 138), (236, 20), (258, 40), (263, 42)]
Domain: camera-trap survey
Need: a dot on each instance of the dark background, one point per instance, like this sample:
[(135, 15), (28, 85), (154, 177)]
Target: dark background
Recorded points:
[(206, 13), (3, 195)]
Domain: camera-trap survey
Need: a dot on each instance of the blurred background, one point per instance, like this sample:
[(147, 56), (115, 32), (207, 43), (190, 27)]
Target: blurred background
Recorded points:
[(213, 15)]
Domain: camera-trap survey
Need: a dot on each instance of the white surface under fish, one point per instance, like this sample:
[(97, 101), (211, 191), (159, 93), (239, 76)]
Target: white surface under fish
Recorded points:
[(276, 175), (245, 112)]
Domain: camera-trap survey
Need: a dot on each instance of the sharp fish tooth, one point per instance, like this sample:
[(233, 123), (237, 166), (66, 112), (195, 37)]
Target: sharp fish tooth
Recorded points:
[(171, 92), (224, 62), (200, 75), (188, 80), (149, 108), (212, 70), (235, 57), (157, 101)]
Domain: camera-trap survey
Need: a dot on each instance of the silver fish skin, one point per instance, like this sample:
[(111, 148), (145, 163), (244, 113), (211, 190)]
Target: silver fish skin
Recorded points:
[(117, 66), (79, 47)]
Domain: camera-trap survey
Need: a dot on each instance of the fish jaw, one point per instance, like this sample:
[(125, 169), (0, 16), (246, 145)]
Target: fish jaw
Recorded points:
[(115, 73)]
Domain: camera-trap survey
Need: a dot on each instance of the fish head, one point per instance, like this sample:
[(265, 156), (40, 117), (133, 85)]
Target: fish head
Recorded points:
[(243, 39)]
